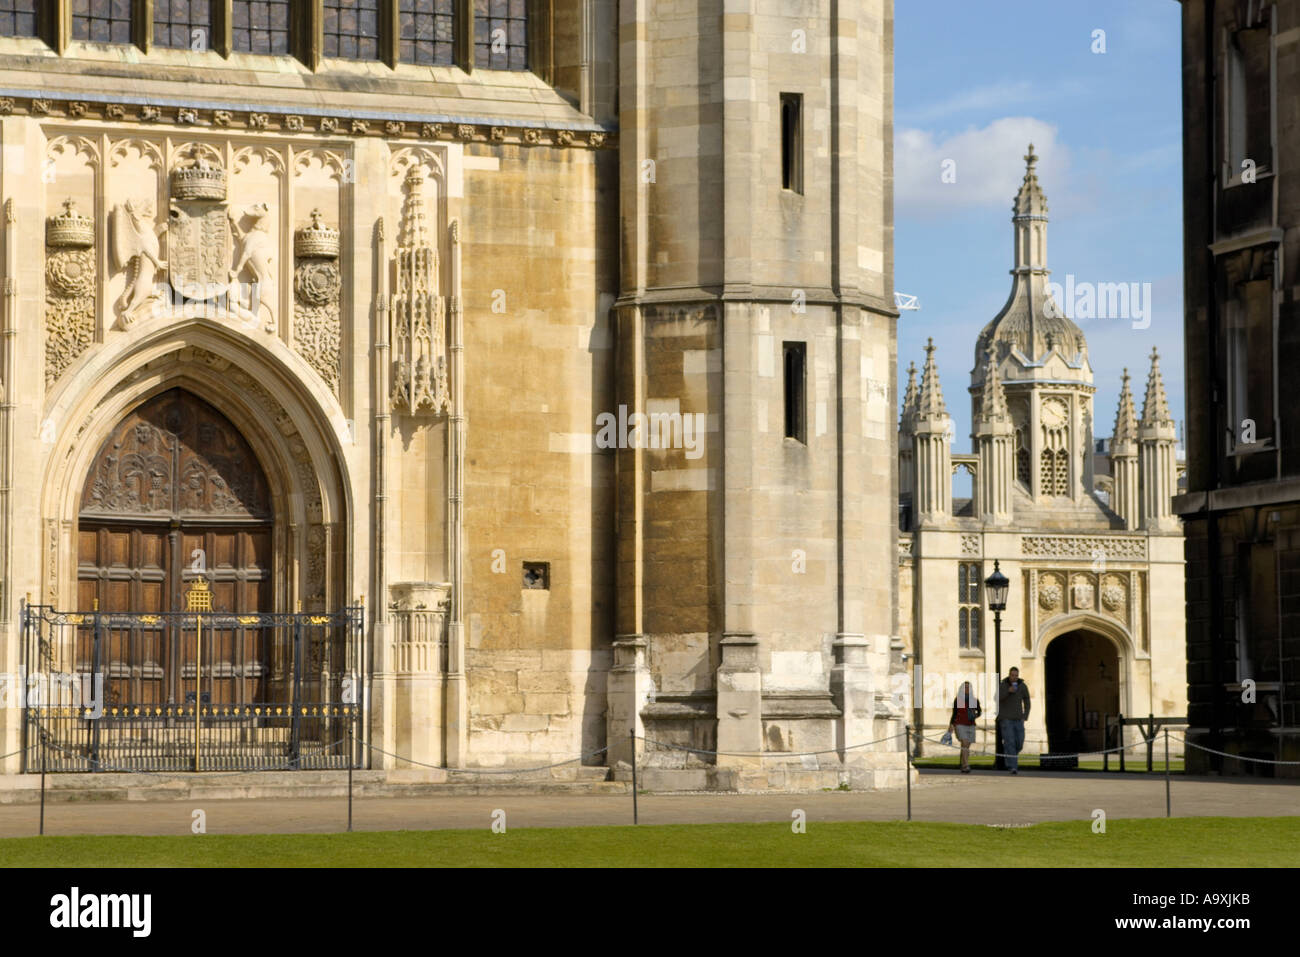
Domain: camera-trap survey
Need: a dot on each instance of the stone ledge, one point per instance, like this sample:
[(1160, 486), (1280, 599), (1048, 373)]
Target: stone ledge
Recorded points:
[(25, 789)]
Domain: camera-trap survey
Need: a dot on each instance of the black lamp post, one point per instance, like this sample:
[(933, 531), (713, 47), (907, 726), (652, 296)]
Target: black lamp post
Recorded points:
[(995, 587)]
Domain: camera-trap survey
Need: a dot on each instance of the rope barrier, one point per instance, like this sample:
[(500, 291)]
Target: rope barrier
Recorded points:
[(297, 763), (1126, 747), (1073, 754), (19, 751), (1235, 757)]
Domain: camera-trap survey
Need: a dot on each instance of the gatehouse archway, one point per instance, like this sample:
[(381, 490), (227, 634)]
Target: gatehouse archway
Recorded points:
[(1082, 686)]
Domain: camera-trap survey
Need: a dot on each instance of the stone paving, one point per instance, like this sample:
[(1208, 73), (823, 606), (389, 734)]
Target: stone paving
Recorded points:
[(980, 798)]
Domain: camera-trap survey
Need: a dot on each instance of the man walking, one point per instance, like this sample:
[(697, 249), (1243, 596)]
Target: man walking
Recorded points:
[(1013, 710)]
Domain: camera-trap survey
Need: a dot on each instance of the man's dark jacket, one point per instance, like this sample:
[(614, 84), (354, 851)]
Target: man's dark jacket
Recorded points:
[(1013, 705)]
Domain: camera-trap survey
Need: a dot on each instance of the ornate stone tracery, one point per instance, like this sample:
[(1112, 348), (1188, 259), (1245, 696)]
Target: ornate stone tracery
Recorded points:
[(418, 311), (1111, 548), (175, 457), (316, 285), (69, 289)]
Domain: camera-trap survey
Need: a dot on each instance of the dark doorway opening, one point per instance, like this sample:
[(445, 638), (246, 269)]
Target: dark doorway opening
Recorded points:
[(1082, 689)]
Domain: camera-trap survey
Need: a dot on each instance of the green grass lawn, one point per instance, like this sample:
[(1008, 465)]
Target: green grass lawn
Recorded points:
[(1147, 842), (1030, 761)]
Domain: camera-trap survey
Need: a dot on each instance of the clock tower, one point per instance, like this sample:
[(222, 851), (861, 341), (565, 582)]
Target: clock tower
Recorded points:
[(1040, 358), (1094, 615)]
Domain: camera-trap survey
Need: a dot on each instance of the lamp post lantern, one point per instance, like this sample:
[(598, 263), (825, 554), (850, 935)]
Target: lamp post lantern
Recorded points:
[(996, 587)]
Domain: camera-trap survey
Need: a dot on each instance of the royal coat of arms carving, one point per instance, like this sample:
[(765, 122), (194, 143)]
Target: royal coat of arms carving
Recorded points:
[(199, 245), (199, 249)]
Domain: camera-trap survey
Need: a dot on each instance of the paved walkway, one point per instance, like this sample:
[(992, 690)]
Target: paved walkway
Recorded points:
[(979, 798)]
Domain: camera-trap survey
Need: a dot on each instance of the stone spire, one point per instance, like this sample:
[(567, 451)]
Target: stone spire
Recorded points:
[(1126, 423), (993, 398), (930, 400), (1124, 472), (932, 448), (906, 426), (1157, 463), (994, 445), (414, 221), (1033, 324), (909, 398), (1155, 408), (1030, 200)]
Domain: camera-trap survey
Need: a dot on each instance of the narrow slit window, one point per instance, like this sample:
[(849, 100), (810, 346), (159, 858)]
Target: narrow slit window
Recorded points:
[(792, 142), (795, 369), (968, 606)]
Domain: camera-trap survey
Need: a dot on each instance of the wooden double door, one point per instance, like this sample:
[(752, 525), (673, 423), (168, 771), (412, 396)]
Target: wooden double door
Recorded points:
[(176, 493)]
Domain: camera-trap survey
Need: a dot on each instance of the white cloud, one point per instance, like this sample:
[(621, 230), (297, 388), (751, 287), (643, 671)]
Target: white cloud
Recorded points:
[(996, 95), (989, 166)]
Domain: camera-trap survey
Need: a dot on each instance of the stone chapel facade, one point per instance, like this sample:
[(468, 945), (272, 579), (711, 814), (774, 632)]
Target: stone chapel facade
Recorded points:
[(1095, 611), (325, 303)]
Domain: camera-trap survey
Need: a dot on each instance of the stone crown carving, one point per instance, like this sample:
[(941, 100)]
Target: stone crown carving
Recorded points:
[(316, 241), (202, 179), (70, 228)]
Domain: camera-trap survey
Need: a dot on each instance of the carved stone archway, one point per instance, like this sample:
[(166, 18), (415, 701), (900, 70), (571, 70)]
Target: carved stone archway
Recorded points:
[(1110, 634), (273, 408), (175, 492)]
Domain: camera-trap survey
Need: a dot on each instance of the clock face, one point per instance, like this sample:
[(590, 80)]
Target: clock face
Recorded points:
[(1053, 415)]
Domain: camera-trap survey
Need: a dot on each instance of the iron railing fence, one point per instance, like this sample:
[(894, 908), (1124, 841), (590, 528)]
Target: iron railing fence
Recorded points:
[(186, 691)]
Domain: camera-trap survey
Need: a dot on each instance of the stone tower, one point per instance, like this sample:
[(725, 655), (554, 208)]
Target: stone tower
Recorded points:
[(1095, 612), (1041, 358), (756, 575)]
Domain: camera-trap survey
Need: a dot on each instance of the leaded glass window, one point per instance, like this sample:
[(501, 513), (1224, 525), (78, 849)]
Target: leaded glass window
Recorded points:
[(968, 605), (351, 29), (500, 34), (182, 23), (427, 28), (260, 27), (17, 18), (102, 21)]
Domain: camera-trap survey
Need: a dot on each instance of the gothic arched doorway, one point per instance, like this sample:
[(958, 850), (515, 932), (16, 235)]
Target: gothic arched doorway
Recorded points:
[(174, 493), (1082, 688)]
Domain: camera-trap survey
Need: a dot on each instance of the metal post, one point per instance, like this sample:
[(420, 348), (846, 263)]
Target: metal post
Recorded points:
[(198, 599), (1151, 740), (907, 769), (297, 689), (1169, 808), (94, 672), (1105, 742), (198, 683), (41, 732), (350, 762), (632, 736), (999, 762), (1120, 744)]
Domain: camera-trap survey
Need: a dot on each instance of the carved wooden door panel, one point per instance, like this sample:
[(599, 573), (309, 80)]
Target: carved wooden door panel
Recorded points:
[(176, 492)]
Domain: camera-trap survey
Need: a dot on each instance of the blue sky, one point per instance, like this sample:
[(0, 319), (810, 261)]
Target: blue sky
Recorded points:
[(976, 82)]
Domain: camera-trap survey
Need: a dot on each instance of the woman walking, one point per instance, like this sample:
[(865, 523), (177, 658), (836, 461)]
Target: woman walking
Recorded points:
[(965, 709)]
